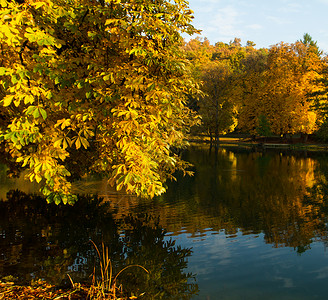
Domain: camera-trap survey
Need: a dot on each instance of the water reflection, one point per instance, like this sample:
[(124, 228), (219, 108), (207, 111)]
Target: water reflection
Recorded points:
[(238, 190), (256, 223), (48, 241)]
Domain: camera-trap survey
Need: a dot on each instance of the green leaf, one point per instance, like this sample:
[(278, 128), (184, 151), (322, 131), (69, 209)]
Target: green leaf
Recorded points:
[(14, 79), (50, 198), (64, 199), (66, 142), (30, 109), (106, 77), (28, 99), (49, 95), (3, 3), (19, 159), (36, 113), (58, 142), (57, 199), (2, 71), (43, 113), (72, 199)]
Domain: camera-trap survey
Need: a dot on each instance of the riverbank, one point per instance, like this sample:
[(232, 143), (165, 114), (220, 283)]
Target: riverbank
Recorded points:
[(38, 290), (295, 143), (43, 290)]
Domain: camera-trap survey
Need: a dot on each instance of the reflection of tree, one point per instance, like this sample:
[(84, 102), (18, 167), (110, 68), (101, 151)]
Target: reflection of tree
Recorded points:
[(318, 195), (269, 196), (49, 236), (144, 244), (239, 189), (49, 241)]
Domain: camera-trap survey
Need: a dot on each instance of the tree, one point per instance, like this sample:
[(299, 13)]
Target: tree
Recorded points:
[(280, 90), (217, 68), (291, 77), (216, 107), (264, 126), (313, 45), (95, 86), (252, 85)]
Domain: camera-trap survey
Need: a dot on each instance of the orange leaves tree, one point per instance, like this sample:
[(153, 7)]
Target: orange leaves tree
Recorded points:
[(216, 67), (216, 106), (278, 90), (95, 86)]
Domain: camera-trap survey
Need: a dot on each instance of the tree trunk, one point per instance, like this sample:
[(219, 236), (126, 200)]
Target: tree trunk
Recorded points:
[(217, 125), (304, 137)]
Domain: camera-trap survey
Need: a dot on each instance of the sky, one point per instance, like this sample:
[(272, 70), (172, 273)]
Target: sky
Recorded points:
[(264, 22)]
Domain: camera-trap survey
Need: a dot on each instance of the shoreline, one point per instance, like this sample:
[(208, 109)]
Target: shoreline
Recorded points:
[(261, 143)]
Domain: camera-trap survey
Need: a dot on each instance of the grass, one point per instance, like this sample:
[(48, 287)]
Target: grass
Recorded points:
[(105, 288)]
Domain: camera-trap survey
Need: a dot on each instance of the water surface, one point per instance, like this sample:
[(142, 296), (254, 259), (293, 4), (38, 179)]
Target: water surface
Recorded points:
[(247, 225)]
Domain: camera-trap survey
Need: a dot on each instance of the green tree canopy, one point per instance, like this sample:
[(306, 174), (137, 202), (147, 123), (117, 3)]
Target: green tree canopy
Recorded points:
[(94, 86)]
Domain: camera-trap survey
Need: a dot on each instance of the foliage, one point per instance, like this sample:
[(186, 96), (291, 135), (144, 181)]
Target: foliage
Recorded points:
[(280, 90), (309, 42), (264, 126), (322, 132), (95, 85), (43, 290), (39, 290), (286, 83), (217, 68), (252, 87), (216, 107)]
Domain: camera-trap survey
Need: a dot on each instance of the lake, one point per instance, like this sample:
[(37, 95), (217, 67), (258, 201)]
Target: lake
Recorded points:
[(247, 225)]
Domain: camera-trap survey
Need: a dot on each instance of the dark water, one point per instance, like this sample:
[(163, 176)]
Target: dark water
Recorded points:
[(248, 225)]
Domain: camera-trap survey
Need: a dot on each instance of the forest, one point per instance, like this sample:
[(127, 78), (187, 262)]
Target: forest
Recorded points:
[(276, 91)]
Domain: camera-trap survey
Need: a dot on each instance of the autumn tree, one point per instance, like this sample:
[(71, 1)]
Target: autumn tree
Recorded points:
[(250, 98), (216, 106), (217, 67), (319, 95), (198, 51), (320, 99), (95, 86), (281, 90), (292, 72)]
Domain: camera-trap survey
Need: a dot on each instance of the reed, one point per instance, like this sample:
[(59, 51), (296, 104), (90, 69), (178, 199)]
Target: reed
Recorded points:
[(106, 287)]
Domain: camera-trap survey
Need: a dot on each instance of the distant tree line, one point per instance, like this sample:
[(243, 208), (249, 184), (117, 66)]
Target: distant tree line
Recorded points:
[(276, 91)]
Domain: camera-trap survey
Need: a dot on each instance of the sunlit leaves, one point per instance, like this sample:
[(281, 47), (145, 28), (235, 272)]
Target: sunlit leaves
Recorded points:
[(95, 87), (36, 111), (279, 90)]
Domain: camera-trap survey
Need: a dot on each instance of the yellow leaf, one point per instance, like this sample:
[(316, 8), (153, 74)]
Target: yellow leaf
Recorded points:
[(38, 178), (58, 142), (3, 3), (78, 143), (7, 100), (38, 4)]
